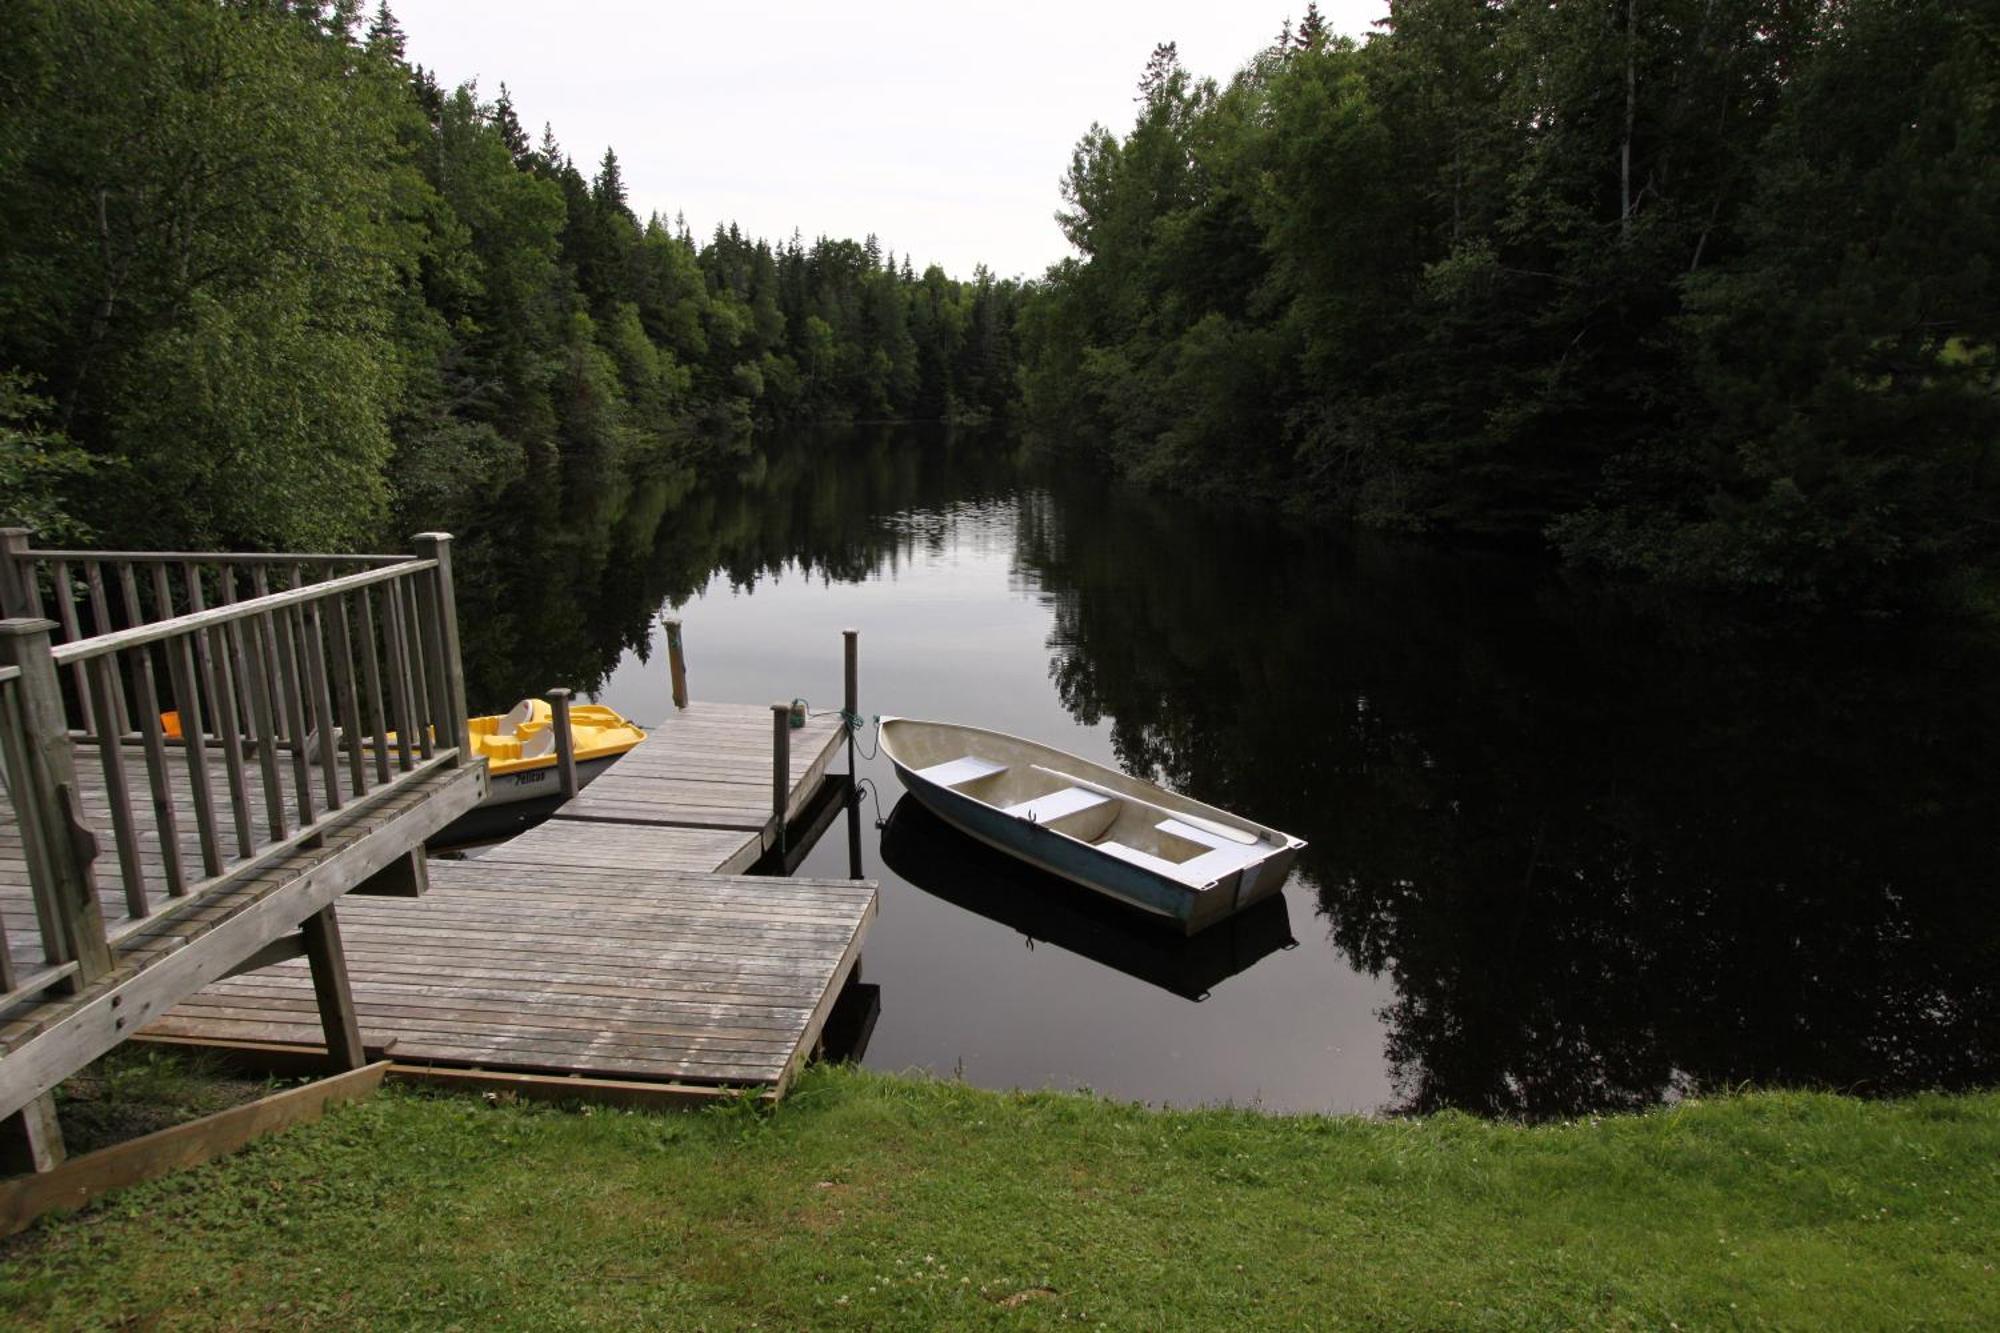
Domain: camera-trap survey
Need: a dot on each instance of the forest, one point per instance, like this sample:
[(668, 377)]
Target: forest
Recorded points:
[(265, 284), (1698, 292)]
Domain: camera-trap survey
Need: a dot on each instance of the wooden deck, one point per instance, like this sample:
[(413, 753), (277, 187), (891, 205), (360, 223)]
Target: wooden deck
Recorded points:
[(612, 946), (17, 907), (157, 962), (603, 971), (706, 770), (261, 734)]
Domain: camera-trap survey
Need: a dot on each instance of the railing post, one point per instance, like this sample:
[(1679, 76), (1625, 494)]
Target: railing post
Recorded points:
[(677, 667), (565, 743), (781, 767), (437, 546), (16, 573), (58, 845)]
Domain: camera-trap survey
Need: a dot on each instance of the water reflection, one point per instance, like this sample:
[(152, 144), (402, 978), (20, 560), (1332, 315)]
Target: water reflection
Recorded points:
[(560, 593), (1600, 860), (1595, 858), (941, 861)]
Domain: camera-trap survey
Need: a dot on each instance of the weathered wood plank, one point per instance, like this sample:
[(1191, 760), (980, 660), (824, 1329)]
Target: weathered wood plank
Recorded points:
[(150, 1156), (611, 949), (169, 960)]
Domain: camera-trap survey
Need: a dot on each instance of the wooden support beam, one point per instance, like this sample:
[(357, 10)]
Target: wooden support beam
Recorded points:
[(284, 1059), (677, 671), (405, 877), (150, 1156), (635, 1093), (337, 1018), (781, 768), (566, 781), (31, 1139), (274, 1059), (855, 868), (281, 950), (804, 830)]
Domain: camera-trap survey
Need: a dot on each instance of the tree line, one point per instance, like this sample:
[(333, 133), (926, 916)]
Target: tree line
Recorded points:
[(1700, 291), (265, 283)]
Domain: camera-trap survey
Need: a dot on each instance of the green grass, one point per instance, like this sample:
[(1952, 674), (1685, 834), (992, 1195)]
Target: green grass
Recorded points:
[(869, 1201)]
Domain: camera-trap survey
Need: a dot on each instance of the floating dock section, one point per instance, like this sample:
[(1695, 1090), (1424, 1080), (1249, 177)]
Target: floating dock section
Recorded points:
[(612, 952)]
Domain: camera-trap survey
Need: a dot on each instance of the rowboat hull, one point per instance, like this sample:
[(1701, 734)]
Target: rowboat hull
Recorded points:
[(931, 855), (1184, 862)]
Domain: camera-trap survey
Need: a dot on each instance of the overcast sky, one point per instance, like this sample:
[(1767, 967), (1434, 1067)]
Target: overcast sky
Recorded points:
[(943, 128)]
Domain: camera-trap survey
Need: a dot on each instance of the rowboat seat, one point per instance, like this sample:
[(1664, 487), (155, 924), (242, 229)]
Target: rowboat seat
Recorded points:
[(1159, 865), (1224, 855), (958, 772), (1047, 809)]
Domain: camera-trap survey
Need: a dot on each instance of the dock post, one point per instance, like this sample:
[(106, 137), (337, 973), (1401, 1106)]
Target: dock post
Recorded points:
[(338, 1021), (565, 743), (854, 831), (57, 845), (850, 718), (17, 573), (781, 766), (677, 667), (850, 655), (443, 639)]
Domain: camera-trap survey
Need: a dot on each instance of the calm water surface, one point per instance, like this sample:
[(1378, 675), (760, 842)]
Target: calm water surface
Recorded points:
[(1563, 856)]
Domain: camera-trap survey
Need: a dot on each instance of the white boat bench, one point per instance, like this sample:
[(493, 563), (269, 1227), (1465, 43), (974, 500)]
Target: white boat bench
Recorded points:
[(958, 772), (1056, 804)]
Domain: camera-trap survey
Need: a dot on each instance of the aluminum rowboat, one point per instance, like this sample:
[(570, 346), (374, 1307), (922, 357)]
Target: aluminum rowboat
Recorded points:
[(1163, 853)]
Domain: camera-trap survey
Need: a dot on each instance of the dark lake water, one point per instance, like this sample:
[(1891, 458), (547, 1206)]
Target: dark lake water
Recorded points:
[(1565, 855)]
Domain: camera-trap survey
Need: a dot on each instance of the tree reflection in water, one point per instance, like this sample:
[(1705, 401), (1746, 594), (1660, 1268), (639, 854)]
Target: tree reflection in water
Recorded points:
[(1603, 856)]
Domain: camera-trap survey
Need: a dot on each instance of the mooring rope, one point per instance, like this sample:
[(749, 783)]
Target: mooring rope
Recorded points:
[(868, 785), (852, 721)]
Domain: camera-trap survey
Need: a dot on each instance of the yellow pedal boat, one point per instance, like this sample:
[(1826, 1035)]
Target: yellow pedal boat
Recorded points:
[(519, 746)]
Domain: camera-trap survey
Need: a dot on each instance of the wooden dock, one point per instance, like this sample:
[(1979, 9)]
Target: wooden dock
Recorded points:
[(204, 752), (242, 741), (707, 771), (609, 952)]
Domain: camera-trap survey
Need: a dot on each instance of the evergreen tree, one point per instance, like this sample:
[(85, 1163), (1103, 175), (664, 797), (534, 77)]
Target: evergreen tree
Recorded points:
[(385, 34), (511, 133)]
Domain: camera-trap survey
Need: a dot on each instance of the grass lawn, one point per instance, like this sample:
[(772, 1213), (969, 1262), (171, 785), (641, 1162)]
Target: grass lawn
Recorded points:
[(870, 1201)]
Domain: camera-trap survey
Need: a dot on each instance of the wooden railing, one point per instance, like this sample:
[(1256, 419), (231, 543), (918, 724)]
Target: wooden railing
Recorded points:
[(230, 709)]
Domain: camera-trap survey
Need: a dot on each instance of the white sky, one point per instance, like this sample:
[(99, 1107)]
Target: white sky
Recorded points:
[(943, 128)]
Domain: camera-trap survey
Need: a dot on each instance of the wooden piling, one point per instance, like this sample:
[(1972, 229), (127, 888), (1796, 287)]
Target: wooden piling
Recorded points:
[(676, 661), (565, 743), (328, 964), (853, 821), (851, 668), (781, 766)]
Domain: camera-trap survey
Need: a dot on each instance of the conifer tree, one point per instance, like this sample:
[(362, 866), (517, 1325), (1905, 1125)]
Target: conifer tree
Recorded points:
[(1312, 30), (511, 133), (385, 34)]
